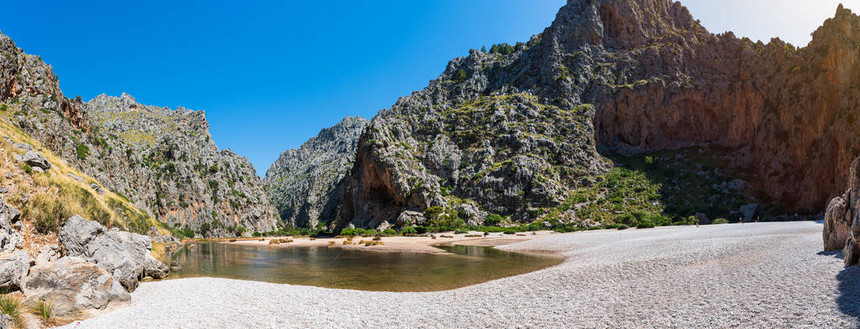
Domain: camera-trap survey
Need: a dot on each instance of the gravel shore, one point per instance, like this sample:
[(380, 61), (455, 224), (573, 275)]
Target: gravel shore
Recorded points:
[(762, 275)]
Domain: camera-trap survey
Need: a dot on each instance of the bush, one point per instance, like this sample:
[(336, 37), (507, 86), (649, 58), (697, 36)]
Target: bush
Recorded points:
[(12, 306), (645, 224), (356, 232), (408, 230), (47, 213), (720, 221), (493, 220), (461, 231), (461, 76), (204, 228), (389, 232), (432, 212), (44, 310), (501, 48), (82, 150)]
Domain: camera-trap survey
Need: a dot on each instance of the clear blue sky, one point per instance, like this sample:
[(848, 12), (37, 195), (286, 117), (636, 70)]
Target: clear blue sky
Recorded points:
[(271, 74)]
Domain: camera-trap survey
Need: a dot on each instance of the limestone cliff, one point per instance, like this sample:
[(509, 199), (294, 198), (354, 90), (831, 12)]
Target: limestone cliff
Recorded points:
[(516, 130), (164, 161), (304, 184)]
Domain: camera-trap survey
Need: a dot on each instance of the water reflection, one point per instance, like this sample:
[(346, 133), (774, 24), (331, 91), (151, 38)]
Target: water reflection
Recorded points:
[(355, 269)]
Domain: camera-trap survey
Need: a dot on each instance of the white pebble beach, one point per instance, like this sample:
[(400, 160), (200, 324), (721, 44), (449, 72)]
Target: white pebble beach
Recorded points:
[(754, 275)]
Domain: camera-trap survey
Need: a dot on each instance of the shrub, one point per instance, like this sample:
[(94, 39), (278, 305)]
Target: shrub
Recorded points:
[(82, 150), (28, 169), (408, 230), (12, 306), (649, 159), (356, 232), (47, 213), (720, 221), (432, 212), (645, 224), (389, 232), (204, 228), (461, 76), (493, 219), (44, 310), (501, 48)]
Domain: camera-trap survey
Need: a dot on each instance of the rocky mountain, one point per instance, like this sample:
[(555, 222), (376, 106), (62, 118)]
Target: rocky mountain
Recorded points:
[(304, 184), (163, 161), (532, 131)]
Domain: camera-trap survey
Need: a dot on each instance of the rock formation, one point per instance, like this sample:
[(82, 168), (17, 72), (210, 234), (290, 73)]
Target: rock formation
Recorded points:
[(842, 219), (305, 184), (127, 256), (516, 130), (162, 160), (77, 288)]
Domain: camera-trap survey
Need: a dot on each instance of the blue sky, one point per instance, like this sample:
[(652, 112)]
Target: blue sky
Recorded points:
[(271, 74)]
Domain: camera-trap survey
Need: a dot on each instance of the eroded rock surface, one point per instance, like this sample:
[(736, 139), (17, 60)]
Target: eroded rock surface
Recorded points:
[(516, 131), (125, 255), (76, 287), (13, 269), (305, 184)]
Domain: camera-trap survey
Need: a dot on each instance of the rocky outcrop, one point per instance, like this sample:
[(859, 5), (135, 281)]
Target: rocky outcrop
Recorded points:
[(164, 161), (14, 267), (305, 184), (36, 160), (842, 219), (9, 239), (126, 256), (77, 288), (837, 224)]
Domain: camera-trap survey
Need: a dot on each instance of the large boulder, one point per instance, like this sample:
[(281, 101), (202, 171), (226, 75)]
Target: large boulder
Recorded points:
[(127, 256), (8, 215), (842, 219), (13, 269), (9, 239), (748, 211), (836, 224), (409, 217), (77, 288), (36, 160)]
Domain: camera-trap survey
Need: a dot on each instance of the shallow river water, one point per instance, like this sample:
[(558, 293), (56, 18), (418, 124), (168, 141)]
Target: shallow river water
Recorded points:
[(355, 269)]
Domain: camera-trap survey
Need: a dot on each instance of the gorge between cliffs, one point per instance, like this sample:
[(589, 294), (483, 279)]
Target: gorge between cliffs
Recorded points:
[(624, 167)]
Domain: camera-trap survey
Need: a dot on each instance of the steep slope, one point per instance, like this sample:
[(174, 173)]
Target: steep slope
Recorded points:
[(517, 131), (45, 197), (164, 161), (304, 184)]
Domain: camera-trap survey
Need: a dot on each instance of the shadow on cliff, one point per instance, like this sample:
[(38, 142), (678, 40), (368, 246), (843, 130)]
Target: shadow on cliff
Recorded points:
[(719, 189)]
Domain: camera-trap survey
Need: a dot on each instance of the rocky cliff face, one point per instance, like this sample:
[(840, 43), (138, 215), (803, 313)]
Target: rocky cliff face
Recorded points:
[(842, 219), (162, 160), (517, 130), (305, 184)]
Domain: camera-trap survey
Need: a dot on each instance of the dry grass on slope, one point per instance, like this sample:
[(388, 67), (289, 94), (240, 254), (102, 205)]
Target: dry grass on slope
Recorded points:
[(47, 199)]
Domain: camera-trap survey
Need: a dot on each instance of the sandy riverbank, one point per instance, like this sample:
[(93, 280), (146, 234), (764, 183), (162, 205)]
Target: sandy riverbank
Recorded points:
[(763, 275), (422, 244)]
